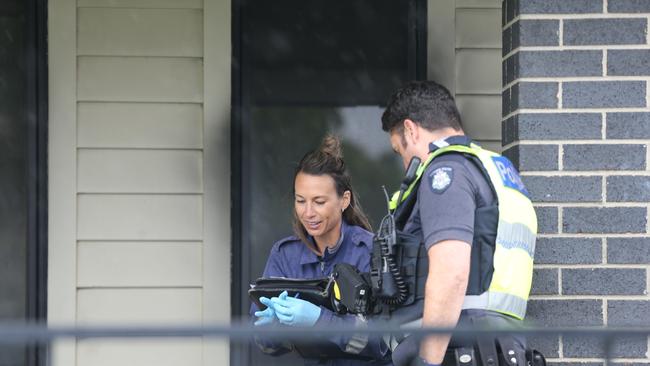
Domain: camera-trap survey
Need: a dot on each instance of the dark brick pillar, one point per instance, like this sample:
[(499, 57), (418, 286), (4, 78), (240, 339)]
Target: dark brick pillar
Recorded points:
[(576, 121)]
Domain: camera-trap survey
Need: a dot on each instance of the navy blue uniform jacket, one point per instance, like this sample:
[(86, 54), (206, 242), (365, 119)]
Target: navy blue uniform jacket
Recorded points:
[(292, 259)]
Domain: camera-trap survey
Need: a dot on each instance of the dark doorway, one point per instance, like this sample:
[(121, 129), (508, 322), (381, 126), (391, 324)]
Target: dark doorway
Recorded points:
[(23, 182), (303, 68)]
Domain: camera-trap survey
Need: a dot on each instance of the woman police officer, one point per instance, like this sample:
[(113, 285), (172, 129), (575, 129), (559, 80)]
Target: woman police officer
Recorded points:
[(330, 228)]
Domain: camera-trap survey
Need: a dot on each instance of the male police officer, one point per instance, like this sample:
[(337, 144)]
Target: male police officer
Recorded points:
[(470, 209)]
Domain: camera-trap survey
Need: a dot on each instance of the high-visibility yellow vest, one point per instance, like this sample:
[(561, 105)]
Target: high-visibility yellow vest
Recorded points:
[(507, 286)]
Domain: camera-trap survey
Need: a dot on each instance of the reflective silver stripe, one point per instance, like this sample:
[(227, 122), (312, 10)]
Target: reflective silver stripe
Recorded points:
[(516, 235), (476, 301), (357, 342), (441, 143), (496, 301)]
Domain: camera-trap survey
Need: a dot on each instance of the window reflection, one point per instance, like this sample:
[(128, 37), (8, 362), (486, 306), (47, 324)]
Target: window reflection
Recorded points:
[(280, 137), (308, 68), (283, 135), (13, 180)]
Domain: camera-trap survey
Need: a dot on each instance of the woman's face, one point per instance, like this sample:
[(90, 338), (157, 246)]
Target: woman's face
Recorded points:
[(318, 207)]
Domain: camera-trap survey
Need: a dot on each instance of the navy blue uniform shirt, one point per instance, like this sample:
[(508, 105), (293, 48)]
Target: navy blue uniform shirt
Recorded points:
[(451, 188), (291, 258)]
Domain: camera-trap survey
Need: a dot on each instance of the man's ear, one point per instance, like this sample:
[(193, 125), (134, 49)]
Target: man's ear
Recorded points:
[(411, 130)]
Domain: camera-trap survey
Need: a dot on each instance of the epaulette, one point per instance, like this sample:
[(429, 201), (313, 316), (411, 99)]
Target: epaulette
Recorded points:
[(358, 238), (281, 242)]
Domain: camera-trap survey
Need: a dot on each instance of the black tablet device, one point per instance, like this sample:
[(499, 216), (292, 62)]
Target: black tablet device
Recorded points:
[(317, 291)]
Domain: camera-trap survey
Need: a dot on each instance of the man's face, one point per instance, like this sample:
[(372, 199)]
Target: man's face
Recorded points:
[(401, 147)]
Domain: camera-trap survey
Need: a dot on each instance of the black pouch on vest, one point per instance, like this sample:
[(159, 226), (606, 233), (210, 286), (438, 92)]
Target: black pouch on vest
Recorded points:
[(487, 351), (535, 358), (317, 291), (353, 289), (413, 261)]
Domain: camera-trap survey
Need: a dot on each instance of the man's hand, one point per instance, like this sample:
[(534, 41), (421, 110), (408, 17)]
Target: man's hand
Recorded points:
[(295, 312), (449, 264)]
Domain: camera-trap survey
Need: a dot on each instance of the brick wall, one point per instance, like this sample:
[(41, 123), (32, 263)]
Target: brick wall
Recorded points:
[(576, 121)]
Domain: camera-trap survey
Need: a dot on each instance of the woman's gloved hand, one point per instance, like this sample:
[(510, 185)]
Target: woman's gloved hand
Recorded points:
[(295, 312), (267, 316)]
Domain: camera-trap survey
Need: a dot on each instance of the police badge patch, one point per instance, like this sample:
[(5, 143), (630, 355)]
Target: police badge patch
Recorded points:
[(441, 179)]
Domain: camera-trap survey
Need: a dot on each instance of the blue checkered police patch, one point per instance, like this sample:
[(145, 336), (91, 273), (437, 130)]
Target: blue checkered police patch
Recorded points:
[(441, 178)]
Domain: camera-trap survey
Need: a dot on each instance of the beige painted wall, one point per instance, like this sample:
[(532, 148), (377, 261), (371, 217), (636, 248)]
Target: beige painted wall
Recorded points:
[(139, 148), (464, 54)]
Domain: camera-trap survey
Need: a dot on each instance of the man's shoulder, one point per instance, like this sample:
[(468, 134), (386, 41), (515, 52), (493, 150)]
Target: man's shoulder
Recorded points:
[(460, 173), (461, 165), (450, 158), (445, 171)]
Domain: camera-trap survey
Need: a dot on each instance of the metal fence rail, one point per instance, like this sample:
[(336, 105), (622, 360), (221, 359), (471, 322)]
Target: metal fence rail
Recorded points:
[(39, 333), (19, 334)]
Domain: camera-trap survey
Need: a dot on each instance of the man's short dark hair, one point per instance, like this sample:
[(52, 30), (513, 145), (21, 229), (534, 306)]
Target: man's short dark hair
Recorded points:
[(424, 102)]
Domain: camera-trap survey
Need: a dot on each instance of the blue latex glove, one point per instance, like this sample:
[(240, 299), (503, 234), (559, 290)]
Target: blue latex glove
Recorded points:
[(295, 312), (267, 316)]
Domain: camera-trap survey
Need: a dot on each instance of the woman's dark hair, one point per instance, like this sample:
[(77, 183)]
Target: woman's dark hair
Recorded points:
[(328, 160)]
